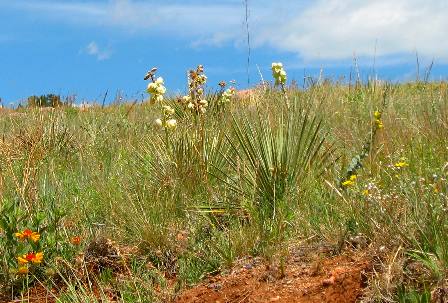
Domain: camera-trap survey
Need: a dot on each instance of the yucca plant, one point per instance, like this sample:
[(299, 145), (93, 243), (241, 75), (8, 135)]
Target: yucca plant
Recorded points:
[(273, 155)]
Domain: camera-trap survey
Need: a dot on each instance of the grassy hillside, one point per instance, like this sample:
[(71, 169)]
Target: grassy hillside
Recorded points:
[(121, 203)]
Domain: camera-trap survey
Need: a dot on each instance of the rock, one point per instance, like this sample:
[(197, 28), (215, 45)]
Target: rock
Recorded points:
[(329, 281)]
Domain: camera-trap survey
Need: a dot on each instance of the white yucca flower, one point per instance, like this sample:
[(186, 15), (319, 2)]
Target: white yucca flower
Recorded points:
[(171, 123), (278, 73), (158, 122)]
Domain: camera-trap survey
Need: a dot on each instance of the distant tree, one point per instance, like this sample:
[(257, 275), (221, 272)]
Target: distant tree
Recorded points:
[(49, 100)]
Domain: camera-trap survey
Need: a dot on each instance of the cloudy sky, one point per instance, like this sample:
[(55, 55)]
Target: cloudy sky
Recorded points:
[(86, 47)]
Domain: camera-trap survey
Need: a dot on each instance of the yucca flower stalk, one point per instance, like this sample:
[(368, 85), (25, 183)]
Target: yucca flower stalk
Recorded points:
[(195, 100), (168, 122), (156, 87), (280, 77), (196, 103), (226, 95)]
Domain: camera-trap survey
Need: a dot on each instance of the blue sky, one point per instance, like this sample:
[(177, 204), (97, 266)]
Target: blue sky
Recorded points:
[(86, 47)]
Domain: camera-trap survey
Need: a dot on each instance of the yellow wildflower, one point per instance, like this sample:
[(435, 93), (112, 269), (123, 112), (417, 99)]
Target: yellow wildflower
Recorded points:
[(377, 115), (347, 183), (401, 164), (350, 181), (379, 123)]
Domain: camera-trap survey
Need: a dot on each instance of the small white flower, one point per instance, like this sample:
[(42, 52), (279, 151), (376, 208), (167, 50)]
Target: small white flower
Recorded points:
[(161, 90), (171, 123), (168, 110), (156, 98), (202, 79), (152, 88), (156, 90), (227, 95), (203, 103), (190, 105), (278, 73), (158, 122)]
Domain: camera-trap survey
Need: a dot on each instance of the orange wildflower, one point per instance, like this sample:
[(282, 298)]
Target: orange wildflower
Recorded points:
[(75, 240), (28, 233), (31, 257), (23, 270)]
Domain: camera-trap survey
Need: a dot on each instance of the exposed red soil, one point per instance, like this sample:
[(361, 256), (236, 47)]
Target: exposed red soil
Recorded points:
[(311, 274), (36, 294), (331, 279)]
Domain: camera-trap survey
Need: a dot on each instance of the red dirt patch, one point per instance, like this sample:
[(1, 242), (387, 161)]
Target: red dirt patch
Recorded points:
[(311, 274), (331, 279), (36, 294)]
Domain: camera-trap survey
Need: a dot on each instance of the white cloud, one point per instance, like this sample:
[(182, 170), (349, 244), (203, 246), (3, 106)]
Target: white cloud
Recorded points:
[(94, 50), (333, 30), (173, 17), (317, 30)]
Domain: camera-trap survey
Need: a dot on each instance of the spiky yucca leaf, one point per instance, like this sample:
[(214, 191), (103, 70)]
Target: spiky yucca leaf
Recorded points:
[(274, 155)]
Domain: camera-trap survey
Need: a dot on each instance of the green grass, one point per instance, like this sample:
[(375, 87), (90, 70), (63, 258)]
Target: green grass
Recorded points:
[(247, 179)]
